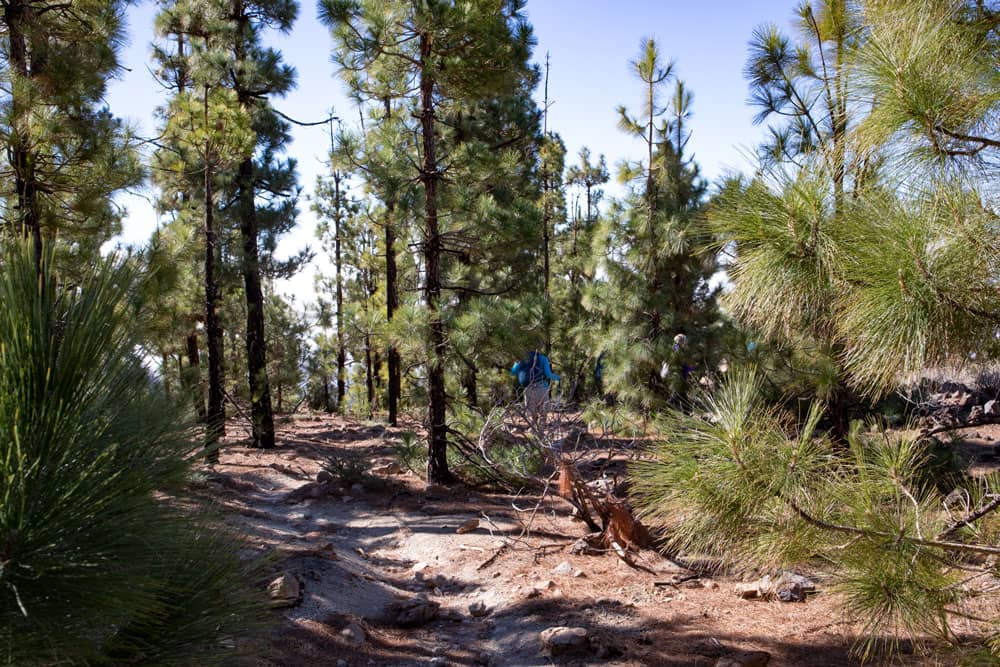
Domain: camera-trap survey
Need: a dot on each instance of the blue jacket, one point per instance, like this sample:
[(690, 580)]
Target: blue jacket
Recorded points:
[(536, 369)]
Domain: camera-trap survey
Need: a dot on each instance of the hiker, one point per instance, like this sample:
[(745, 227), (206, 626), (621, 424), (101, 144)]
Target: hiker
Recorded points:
[(534, 373)]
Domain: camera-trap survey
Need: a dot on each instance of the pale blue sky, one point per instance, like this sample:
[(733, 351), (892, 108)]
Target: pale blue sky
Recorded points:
[(590, 43)]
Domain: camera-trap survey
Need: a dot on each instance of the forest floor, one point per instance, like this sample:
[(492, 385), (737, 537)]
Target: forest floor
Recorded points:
[(387, 577)]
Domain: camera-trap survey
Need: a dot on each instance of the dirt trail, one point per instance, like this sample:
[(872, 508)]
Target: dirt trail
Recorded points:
[(359, 553)]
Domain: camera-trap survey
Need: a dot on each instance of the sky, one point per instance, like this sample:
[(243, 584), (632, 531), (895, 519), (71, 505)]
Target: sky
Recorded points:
[(589, 44)]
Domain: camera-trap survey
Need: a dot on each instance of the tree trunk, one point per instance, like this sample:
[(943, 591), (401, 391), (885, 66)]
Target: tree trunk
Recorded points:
[(194, 371), (215, 423), (261, 414), (338, 262), (437, 461), (369, 376), (391, 304), (17, 16)]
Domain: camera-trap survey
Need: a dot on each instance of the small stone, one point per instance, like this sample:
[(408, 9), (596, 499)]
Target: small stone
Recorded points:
[(710, 584), (439, 661), (392, 468), (284, 591), (353, 634), (561, 639), (992, 407), (357, 489), (468, 526), (324, 476), (745, 659), (748, 591), (548, 584), (563, 569), (579, 574), (341, 662), (320, 490), (413, 612), (976, 412), (419, 567), (478, 609)]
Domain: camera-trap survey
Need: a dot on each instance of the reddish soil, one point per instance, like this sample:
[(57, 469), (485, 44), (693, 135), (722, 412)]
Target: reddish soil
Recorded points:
[(354, 551)]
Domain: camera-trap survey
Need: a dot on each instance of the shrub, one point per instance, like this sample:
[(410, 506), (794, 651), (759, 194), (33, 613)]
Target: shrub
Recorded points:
[(96, 561)]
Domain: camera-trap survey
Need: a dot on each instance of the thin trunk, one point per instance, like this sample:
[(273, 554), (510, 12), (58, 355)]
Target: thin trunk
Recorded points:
[(546, 189), (216, 417), (391, 305), (369, 377), (261, 413), (650, 195), (338, 261), (194, 371), (17, 16), (437, 461)]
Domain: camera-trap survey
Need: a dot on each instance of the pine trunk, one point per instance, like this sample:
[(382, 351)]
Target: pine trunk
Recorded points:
[(17, 16), (437, 461), (215, 422), (261, 414), (391, 304), (194, 371), (339, 263)]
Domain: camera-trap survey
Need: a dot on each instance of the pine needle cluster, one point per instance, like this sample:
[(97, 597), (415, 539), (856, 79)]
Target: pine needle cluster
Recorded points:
[(743, 482), (98, 565)]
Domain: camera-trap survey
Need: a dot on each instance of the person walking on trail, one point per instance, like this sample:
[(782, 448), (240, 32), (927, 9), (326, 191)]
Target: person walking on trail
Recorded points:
[(534, 373)]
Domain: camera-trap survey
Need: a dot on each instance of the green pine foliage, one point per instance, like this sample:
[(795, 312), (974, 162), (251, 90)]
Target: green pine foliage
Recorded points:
[(97, 562), (755, 487)]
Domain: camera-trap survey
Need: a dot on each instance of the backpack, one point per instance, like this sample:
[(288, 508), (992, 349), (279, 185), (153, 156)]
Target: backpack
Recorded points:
[(533, 371)]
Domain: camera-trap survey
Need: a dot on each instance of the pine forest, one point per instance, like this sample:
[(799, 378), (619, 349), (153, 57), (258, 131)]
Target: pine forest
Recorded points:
[(488, 332)]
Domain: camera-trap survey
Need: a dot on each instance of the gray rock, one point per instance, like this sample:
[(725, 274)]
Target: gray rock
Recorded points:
[(564, 568), (353, 634), (478, 609), (413, 612), (561, 639), (285, 591)]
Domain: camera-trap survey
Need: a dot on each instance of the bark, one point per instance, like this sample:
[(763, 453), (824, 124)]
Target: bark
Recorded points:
[(17, 16), (215, 422), (369, 376), (391, 305), (339, 263), (261, 413), (194, 370), (437, 462)]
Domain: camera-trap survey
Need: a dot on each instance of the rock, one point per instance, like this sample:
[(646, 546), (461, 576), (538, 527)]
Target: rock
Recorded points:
[(324, 476), (478, 609), (977, 412), (353, 634), (992, 408), (357, 489), (579, 574), (341, 662), (320, 490), (581, 548), (284, 591), (563, 569), (793, 587), (413, 612), (419, 567), (439, 661), (748, 591), (468, 526), (392, 468), (561, 639), (710, 584), (745, 659)]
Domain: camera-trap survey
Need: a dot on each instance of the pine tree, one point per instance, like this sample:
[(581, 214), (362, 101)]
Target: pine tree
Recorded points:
[(656, 310), (442, 47), (66, 154)]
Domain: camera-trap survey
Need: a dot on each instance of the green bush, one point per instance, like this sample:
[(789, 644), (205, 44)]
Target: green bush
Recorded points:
[(97, 564)]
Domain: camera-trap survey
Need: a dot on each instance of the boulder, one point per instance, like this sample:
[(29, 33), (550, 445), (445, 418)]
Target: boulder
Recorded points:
[(561, 639), (413, 612), (285, 591), (353, 634)]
